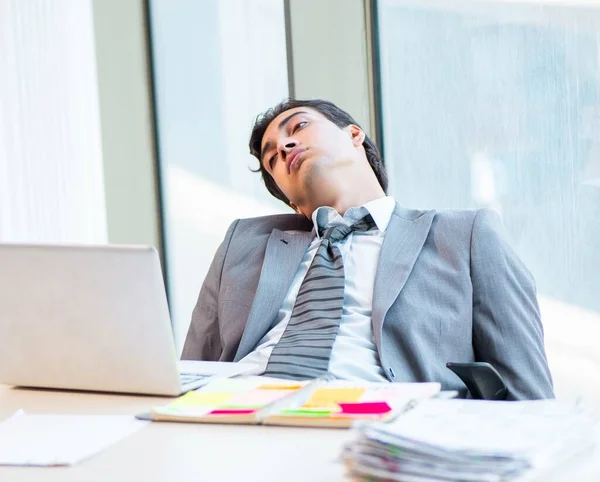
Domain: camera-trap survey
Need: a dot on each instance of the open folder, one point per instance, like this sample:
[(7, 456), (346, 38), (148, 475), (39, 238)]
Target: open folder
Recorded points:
[(272, 401)]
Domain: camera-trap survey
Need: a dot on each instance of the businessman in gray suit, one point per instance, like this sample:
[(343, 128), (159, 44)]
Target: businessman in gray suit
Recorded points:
[(355, 285)]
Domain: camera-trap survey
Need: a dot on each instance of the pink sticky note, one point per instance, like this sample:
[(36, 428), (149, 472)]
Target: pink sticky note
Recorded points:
[(365, 408), (231, 412)]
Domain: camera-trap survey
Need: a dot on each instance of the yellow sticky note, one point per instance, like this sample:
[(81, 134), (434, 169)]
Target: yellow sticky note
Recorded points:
[(211, 399), (280, 386), (331, 397)]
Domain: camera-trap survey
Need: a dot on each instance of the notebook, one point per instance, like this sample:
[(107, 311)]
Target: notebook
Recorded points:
[(273, 401)]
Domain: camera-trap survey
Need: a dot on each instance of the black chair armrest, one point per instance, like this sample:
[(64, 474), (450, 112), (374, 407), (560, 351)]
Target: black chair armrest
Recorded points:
[(482, 380)]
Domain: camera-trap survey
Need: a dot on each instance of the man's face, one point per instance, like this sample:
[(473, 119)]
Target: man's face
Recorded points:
[(301, 147)]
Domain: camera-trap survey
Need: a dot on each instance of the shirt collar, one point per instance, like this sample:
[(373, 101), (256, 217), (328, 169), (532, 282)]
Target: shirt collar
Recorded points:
[(380, 209)]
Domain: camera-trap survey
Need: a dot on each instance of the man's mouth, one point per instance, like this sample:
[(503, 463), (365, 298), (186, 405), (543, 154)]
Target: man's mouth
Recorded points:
[(293, 158)]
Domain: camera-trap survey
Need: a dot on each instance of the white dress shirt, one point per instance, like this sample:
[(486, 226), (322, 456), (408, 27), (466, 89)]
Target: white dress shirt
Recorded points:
[(353, 355)]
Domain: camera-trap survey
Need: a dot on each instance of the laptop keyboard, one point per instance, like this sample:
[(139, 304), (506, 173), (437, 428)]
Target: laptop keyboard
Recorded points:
[(192, 377)]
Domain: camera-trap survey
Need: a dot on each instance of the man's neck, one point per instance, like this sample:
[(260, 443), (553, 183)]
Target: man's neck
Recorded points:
[(343, 204), (342, 192), (347, 200)]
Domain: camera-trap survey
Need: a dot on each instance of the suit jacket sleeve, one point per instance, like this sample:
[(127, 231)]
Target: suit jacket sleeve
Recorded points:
[(507, 329), (203, 341)]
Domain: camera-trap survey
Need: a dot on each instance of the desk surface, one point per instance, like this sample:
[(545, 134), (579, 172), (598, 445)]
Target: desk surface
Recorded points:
[(196, 452), (177, 451)]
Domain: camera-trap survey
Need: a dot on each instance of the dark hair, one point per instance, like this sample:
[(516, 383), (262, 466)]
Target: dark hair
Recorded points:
[(332, 112)]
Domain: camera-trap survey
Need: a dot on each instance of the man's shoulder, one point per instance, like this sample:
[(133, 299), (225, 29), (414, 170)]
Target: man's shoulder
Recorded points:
[(458, 216), (455, 223), (451, 217), (266, 224)]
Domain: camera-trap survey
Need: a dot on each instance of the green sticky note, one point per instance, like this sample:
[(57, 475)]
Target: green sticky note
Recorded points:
[(305, 413)]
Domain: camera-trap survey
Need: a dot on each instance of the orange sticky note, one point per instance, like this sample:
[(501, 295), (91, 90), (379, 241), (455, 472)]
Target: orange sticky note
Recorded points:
[(280, 386), (332, 397)]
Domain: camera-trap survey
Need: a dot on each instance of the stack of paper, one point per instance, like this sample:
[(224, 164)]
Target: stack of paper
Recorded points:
[(470, 440)]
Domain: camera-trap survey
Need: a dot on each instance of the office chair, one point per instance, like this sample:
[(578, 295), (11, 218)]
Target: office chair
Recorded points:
[(482, 380)]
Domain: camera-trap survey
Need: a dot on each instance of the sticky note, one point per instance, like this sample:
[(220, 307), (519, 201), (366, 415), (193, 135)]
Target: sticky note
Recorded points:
[(365, 408), (332, 397), (306, 413), (222, 411), (315, 409), (191, 399), (256, 398), (384, 395), (280, 386)]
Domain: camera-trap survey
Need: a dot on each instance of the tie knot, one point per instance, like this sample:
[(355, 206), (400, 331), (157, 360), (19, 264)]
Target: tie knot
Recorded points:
[(336, 233)]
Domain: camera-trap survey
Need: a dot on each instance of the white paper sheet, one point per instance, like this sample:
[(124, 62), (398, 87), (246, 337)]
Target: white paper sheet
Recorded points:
[(472, 440), (502, 428), (50, 440)]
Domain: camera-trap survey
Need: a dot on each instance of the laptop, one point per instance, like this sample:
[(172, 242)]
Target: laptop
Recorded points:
[(92, 318)]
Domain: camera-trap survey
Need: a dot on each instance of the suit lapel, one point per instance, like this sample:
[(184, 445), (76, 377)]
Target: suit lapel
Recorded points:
[(283, 255), (404, 238)]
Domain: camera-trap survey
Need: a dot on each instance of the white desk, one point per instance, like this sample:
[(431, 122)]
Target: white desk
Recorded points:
[(164, 452), (180, 452)]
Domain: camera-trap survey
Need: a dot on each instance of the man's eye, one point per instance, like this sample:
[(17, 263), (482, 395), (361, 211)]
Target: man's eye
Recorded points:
[(272, 161), (299, 125)]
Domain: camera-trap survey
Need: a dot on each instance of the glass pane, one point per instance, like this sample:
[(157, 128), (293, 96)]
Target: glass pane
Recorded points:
[(51, 172), (217, 64), (497, 104)]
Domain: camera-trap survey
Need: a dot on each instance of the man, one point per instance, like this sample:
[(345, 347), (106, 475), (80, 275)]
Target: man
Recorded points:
[(355, 285)]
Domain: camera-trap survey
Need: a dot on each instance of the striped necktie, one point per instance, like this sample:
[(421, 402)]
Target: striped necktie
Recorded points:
[(304, 349)]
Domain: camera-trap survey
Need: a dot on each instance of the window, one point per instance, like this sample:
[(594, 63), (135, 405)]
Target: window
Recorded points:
[(217, 64), (497, 104), (51, 177)]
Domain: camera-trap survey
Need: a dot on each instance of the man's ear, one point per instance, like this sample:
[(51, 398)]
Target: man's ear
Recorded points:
[(356, 134)]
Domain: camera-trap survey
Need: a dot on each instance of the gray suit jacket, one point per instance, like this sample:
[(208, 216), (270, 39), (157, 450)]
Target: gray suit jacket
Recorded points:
[(448, 288)]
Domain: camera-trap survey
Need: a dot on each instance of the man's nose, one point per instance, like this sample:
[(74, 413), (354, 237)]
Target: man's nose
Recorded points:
[(286, 146)]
